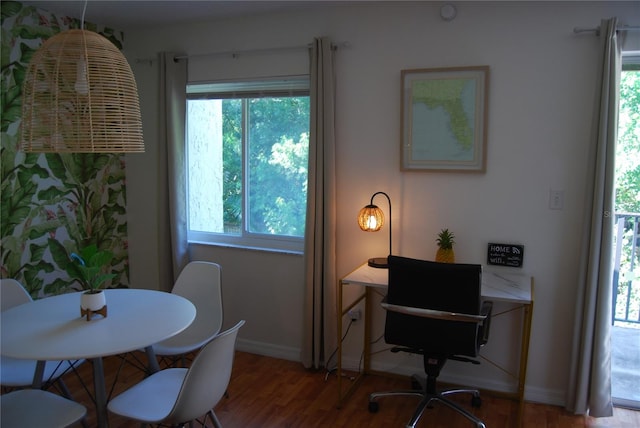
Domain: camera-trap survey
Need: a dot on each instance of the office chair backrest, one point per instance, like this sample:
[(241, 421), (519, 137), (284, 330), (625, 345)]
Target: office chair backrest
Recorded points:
[(207, 378), (12, 293), (451, 287), (200, 283)]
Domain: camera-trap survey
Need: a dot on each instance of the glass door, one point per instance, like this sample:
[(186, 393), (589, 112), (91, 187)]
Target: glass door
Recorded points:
[(625, 363)]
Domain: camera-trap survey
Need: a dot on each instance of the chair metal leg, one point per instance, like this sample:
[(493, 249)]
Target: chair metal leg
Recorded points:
[(409, 392), (214, 419), (64, 390), (419, 411), (473, 392), (463, 412), (428, 396)]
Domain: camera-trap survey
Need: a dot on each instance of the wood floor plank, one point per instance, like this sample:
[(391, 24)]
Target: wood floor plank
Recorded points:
[(266, 392)]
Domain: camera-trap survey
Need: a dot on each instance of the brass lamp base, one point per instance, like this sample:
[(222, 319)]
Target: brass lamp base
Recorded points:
[(378, 262)]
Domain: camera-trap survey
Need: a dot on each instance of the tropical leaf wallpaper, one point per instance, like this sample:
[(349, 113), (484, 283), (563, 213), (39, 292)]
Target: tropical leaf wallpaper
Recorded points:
[(52, 205)]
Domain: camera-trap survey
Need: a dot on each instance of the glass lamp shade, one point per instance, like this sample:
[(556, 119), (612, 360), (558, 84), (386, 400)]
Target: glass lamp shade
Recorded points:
[(370, 218)]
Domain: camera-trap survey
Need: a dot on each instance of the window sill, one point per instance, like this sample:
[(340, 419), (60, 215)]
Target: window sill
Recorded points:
[(247, 248)]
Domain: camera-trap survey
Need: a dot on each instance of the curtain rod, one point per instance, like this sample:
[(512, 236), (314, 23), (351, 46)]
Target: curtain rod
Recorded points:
[(596, 30), (236, 53)]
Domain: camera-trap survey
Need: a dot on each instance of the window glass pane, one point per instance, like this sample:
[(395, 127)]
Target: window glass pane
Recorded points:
[(215, 174), (277, 165), (247, 155), (232, 161)]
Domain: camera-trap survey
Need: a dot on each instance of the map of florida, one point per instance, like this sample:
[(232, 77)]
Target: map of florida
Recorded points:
[(448, 94)]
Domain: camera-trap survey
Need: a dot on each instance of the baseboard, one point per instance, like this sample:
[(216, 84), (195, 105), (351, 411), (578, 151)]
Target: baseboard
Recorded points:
[(545, 396), (268, 350), (532, 394)]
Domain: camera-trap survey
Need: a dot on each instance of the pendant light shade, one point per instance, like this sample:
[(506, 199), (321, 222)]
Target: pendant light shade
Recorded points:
[(80, 96)]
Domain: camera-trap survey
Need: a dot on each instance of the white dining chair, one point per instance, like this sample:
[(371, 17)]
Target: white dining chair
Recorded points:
[(200, 283), (37, 408), (178, 395), (18, 373)]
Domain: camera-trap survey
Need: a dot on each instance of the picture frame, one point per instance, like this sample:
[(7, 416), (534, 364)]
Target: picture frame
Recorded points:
[(444, 119)]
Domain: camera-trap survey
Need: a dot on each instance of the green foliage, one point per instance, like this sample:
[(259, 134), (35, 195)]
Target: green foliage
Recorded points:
[(10, 8), (628, 196), (278, 141), (52, 205), (88, 267), (445, 239), (628, 147), (232, 163), (278, 158), (11, 105)]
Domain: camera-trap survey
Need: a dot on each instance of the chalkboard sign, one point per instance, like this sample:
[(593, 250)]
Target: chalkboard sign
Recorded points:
[(505, 255)]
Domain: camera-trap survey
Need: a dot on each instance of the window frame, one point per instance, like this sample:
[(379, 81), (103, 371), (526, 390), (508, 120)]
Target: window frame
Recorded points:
[(288, 86)]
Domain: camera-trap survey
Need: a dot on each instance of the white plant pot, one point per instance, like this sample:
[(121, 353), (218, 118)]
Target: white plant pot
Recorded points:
[(93, 301)]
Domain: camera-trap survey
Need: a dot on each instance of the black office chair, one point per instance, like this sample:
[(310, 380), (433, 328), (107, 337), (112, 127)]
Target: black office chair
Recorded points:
[(435, 310)]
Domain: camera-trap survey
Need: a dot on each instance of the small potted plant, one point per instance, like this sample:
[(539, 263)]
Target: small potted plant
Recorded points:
[(88, 268)]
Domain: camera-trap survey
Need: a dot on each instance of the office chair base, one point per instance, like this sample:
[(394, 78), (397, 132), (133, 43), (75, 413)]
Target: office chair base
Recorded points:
[(428, 399)]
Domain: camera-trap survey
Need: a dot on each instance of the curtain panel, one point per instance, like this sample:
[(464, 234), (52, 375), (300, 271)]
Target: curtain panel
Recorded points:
[(589, 389), (172, 212), (320, 305)]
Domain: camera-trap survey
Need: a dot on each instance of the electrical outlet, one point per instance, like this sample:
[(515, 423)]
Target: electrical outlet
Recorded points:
[(354, 314), (556, 199)]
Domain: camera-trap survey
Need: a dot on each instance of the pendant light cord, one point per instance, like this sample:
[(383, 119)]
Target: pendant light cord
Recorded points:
[(84, 10)]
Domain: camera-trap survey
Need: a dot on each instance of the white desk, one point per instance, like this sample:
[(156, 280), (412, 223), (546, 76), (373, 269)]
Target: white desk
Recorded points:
[(496, 286), (53, 329)]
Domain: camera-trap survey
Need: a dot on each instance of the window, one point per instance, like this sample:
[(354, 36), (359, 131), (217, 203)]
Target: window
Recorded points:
[(247, 155)]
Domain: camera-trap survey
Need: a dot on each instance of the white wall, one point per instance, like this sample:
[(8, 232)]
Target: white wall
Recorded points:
[(540, 107)]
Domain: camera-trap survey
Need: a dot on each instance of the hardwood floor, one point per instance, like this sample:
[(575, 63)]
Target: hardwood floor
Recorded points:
[(271, 393)]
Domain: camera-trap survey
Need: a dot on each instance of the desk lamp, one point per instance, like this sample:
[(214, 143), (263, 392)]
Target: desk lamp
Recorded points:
[(371, 219)]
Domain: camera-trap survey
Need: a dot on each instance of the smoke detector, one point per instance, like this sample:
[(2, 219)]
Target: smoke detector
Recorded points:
[(448, 12)]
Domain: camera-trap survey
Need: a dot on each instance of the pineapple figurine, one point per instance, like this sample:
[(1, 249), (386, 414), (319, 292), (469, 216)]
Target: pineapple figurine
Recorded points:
[(445, 242)]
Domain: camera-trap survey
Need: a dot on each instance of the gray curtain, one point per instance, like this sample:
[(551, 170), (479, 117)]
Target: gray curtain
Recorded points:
[(589, 388), (172, 213), (320, 314)]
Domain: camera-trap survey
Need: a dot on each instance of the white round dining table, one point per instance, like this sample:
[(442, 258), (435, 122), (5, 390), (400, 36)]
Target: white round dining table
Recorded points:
[(54, 329)]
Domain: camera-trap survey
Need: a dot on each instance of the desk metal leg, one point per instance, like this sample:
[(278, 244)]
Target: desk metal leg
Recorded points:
[(524, 357), (367, 331), (339, 352), (342, 397)]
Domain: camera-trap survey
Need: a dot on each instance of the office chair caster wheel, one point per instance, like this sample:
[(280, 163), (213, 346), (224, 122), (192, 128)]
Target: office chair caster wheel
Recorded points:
[(374, 407), (476, 401)]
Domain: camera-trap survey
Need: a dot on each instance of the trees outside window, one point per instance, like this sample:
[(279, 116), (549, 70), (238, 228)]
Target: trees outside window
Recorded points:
[(625, 364), (247, 150), (627, 250), (628, 147)]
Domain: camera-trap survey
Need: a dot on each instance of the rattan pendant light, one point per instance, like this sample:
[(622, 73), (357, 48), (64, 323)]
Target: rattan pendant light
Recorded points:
[(80, 96)]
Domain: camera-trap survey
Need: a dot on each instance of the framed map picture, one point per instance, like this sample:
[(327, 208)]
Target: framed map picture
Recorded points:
[(444, 118)]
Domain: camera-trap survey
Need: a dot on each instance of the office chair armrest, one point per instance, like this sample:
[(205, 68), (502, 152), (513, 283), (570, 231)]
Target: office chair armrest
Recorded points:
[(432, 313), (486, 309)]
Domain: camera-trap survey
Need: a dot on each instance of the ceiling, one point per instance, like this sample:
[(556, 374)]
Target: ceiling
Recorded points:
[(124, 14)]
